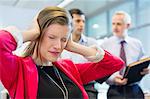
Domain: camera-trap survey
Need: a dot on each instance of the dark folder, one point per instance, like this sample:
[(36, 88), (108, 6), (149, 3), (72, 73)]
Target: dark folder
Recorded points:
[(132, 71)]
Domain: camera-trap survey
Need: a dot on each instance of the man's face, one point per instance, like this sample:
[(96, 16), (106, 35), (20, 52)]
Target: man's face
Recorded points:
[(78, 23), (118, 25)]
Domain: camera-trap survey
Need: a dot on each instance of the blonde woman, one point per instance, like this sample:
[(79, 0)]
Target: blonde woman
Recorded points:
[(38, 74)]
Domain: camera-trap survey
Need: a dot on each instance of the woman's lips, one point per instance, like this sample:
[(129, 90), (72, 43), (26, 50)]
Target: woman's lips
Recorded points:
[(56, 54)]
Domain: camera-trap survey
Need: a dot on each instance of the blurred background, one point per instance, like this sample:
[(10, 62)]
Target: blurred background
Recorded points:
[(98, 20)]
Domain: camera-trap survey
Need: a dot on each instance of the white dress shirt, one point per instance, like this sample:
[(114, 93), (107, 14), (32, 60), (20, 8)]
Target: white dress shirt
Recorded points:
[(133, 49)]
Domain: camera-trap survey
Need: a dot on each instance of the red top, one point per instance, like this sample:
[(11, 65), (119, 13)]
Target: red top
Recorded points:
[(20, 76)]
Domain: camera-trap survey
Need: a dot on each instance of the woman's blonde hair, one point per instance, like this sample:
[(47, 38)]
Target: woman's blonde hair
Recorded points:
[(48, 16)]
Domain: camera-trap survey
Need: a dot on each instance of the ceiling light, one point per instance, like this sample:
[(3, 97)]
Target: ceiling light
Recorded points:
[(95, 26), (65, 3)]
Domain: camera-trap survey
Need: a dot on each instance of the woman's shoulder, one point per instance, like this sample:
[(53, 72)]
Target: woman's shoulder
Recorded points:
[(65, 62)]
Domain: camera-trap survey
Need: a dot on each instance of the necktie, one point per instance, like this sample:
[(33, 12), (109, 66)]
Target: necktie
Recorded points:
[(122, 52)]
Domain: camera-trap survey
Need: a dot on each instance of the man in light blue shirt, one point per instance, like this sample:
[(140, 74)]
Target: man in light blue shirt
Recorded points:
[(133, 50)]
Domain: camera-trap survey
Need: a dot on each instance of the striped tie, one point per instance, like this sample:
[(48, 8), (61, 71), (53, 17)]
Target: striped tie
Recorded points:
[(122, 51)]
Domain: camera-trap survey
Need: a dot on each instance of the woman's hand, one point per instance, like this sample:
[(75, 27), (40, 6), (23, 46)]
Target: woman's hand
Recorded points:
[(32, 32), (80, 49), (35, 26), (70, 44)]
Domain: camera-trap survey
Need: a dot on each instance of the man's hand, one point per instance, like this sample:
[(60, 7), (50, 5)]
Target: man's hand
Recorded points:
[(145, 71), (119, 80)]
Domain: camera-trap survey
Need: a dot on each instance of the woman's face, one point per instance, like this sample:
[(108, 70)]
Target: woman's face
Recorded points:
[(54, 41)]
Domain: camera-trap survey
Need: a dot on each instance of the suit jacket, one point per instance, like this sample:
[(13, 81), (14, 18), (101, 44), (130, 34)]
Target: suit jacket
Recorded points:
[(19, 75)]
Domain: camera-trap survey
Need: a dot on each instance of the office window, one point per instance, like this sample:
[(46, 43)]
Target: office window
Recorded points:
[(144, 36), (128, 7), (144, 12), (97, 26)]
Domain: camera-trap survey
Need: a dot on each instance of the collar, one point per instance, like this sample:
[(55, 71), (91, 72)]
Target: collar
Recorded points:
[(83, 39), (126, 39)]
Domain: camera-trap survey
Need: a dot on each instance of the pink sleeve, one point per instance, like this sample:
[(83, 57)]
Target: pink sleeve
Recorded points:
[(8, 61), (93, 71)]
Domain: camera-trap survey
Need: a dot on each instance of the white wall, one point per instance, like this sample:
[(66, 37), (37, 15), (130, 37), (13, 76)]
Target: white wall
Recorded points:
[(16, 16)]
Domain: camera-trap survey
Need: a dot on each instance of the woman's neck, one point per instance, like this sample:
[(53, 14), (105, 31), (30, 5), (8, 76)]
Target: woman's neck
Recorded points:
[(40, 61)]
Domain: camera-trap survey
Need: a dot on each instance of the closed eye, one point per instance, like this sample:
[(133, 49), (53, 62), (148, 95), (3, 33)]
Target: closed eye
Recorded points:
[(64, 39), (51, 37)]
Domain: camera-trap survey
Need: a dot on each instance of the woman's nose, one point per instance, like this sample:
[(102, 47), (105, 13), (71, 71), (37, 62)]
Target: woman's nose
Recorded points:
[(58, 45)]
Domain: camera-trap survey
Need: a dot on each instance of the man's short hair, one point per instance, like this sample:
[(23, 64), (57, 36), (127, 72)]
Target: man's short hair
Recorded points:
[(127, 17), (75, 11)]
